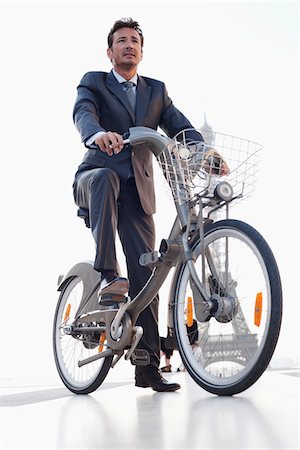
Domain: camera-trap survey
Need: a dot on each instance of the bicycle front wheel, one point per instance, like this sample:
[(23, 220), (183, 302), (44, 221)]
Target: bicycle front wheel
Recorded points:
[(228, 355), (70, 349)]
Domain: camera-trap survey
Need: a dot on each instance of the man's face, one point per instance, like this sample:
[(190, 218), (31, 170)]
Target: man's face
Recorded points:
[(126, 51)]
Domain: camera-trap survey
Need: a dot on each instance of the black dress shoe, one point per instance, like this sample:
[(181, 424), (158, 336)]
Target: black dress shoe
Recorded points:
[(151, 377), (113, 285)]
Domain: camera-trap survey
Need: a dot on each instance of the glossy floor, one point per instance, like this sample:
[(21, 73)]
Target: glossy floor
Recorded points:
[(121, 416)]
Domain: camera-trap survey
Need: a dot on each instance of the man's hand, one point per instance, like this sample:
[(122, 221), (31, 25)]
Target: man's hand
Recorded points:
[(110, 143), (214, 163)]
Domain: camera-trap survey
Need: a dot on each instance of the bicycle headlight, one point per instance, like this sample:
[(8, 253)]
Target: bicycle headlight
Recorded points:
[(223, 191), (184, 152)]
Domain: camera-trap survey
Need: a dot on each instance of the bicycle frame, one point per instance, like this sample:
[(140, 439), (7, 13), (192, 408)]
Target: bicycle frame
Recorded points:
[(173, 250)]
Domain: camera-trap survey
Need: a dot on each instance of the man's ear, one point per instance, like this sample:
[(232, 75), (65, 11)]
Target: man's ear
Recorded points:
[(109, 53)]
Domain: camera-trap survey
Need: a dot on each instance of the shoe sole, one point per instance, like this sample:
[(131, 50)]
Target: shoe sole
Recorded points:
[(142, 385), (119, 287), (169, 389)]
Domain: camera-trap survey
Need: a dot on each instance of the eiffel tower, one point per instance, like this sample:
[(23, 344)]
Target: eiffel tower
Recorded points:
[(237, 347)]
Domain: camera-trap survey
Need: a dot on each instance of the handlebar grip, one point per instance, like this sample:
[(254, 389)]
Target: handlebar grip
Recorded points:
[(125, 137)]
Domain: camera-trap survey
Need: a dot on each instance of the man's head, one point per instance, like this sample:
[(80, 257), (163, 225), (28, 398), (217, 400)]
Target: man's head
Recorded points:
[(125, 45), (124, 23)]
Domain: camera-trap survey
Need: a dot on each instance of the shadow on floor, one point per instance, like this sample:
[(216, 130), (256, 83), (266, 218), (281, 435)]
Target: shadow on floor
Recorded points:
[(27, 398)]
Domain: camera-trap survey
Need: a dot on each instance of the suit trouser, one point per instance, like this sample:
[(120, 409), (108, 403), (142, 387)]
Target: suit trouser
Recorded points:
[(113, 206)]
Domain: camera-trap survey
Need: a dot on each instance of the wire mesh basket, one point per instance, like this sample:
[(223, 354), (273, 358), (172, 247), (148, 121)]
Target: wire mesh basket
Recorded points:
[(191, 173)]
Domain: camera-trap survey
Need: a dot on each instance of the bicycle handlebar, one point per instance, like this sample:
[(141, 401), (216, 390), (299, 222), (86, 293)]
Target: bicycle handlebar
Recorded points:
[(142, 135)]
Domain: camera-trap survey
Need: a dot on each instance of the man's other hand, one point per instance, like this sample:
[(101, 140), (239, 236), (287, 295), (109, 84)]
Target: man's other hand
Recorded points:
[(214, 163)]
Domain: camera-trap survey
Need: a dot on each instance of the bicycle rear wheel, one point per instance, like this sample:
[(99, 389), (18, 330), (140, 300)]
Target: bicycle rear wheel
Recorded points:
[(69, 349), (227, 357)]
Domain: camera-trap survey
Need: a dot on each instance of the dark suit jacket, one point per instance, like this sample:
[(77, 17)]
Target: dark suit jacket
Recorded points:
[(102, 105)]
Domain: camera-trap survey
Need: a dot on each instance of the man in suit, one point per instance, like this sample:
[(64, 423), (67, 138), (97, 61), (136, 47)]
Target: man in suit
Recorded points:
[(114, 183)]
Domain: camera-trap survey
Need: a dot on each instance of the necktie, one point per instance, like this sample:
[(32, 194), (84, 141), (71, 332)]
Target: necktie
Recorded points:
[(128, 88)]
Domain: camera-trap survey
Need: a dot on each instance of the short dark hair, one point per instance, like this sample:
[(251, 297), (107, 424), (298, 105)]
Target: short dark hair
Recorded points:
[(126, 22)]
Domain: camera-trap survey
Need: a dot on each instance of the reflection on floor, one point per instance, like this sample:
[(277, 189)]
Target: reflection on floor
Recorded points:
[(120, 416)]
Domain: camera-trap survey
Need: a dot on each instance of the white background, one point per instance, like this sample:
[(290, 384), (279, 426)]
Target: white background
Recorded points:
[(236, 61)]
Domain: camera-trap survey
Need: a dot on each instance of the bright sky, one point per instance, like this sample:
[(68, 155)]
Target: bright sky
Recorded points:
[(236, 61)]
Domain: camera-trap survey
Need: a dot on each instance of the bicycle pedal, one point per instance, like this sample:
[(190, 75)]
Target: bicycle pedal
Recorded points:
[(140, 357), (111, 299), (150, 259)]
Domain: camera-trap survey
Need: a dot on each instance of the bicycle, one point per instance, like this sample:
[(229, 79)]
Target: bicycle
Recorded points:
[(225, 277)]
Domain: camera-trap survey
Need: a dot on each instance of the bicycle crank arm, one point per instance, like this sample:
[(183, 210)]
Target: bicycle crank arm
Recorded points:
[(138, 333), (93, 358)]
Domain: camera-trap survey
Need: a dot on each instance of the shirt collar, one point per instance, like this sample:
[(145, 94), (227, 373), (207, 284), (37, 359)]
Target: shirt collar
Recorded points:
[(122, 79)]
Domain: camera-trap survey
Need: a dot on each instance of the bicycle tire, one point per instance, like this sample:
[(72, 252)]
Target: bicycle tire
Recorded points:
[(212, 363), (68, 349)]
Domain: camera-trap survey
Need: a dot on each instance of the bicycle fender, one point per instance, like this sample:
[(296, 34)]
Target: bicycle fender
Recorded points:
[(84, 270), (90, 277)]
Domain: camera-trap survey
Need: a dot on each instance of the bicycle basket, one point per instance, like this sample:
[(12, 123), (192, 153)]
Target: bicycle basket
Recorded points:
[(184, 165)]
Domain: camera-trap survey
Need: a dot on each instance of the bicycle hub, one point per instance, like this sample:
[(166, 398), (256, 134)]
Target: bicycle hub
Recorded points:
[(225, 308)]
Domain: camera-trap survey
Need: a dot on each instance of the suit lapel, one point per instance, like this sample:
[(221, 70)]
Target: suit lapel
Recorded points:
[(115, 88), (143, 93)]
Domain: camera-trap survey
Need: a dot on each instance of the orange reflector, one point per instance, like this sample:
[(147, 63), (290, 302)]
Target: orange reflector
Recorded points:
[(189, 312), (101, 341), (258, 309), (67, 313)]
